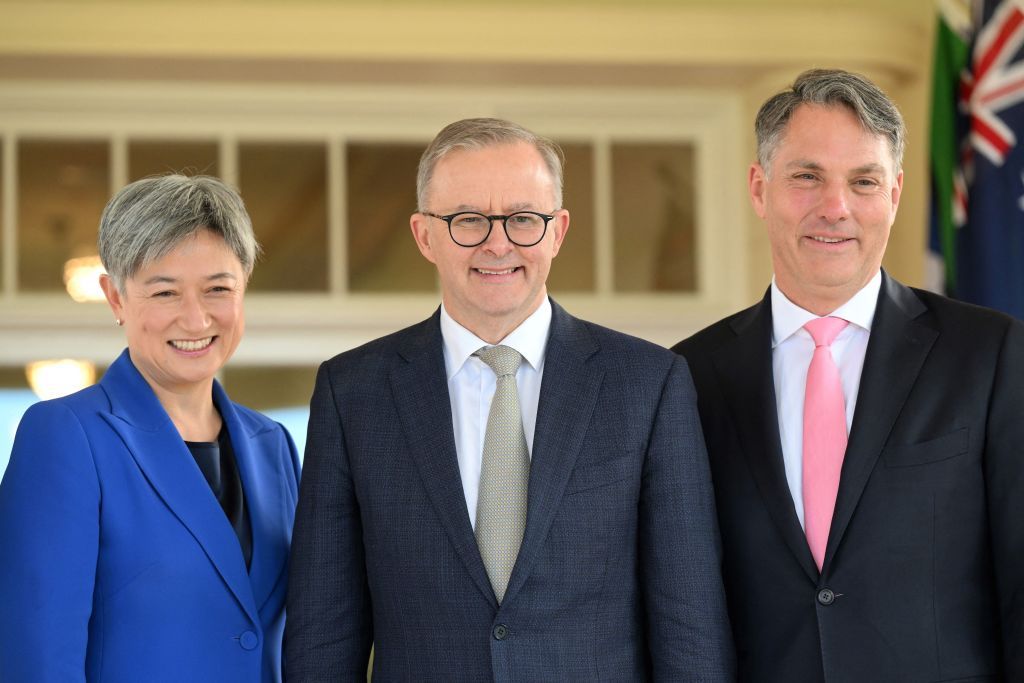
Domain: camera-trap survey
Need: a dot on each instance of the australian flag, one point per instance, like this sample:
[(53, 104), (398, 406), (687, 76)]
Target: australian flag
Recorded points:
[(978, 157)]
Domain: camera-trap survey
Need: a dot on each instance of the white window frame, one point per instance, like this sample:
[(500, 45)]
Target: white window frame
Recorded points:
[(306, 328)]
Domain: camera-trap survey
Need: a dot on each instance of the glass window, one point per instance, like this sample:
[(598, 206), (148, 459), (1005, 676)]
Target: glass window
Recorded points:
[(654, 217), (159, 157), (285, 189), (573, 268), (63, 186), (381, 196)]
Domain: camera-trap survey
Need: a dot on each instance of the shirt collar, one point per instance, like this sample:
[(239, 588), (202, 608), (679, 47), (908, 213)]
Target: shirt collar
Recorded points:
[(788, 318), (530, 339)]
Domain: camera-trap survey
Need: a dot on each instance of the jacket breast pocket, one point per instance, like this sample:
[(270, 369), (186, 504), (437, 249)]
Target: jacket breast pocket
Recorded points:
[(926, 452), (600, 474)]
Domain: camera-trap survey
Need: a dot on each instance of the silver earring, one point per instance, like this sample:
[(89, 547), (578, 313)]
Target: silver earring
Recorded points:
[(117, 321)]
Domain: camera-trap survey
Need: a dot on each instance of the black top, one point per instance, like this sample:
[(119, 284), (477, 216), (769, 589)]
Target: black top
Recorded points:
[(216, 461)]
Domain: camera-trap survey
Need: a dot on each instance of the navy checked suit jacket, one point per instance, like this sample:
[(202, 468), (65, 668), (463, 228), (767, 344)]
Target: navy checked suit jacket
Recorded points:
[(618, 577)]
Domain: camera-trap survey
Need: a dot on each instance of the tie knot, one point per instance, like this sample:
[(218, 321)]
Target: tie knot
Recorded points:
[(504, 360), (825, 330)]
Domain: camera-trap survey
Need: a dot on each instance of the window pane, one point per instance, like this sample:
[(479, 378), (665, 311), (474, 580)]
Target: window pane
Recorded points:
[(62, 189), (285, 189), (573, 268), (654, 217), (159, 157), (381, 196)]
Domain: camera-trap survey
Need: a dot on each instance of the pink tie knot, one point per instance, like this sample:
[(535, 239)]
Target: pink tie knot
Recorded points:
[(825, 330)]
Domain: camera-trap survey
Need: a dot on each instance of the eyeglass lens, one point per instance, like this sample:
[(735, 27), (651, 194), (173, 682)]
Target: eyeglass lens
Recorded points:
[(524, 228)]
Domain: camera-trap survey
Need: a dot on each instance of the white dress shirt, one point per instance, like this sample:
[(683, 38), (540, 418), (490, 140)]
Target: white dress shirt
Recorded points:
[(471, 384), (792, 349)]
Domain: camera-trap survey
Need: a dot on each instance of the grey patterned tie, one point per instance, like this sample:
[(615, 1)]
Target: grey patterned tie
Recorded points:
[(501, 505)]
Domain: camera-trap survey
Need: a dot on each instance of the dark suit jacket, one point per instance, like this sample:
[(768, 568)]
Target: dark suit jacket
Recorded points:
[(116, 561), (923, 578), (618, 577)]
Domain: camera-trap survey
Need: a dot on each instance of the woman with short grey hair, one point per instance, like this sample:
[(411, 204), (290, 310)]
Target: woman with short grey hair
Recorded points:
[(145, 521)]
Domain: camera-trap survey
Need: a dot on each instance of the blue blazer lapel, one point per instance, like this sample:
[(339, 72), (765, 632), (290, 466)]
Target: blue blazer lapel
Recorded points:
[(897, 348), (419, 386), (744, 368), (568, 394), (266, 500), (153, 441)]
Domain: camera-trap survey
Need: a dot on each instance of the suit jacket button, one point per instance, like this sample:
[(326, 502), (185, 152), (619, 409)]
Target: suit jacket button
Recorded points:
[(500, 632), (248, 640), (826, 597)]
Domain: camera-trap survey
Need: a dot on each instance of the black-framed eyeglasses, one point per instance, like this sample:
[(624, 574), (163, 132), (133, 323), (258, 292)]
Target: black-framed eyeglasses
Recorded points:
[(471, 229)]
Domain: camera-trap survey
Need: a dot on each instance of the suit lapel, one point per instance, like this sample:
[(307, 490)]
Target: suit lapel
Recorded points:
[(419, 386), (744, 368), (568, 395), (159, 451), (896, 351), (266, 502)]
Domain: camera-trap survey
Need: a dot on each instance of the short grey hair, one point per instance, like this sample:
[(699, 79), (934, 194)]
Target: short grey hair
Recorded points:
[(831, 88), (148, 218), (478, 134)]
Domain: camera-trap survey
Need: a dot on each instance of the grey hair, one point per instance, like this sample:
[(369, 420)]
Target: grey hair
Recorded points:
[(478, 134), (831, 88), (148, 218)]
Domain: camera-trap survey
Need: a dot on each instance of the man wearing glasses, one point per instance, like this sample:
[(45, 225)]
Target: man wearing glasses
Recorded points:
[(504, 492)]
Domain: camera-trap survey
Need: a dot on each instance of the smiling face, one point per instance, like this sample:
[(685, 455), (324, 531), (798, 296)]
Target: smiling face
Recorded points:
[(183, 314), (491, 288), (828, 199)]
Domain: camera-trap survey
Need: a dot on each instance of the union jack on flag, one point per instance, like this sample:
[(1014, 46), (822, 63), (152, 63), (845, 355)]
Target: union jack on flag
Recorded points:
[(977, 158)]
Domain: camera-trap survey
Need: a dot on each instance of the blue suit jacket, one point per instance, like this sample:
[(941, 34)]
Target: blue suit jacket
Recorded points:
[(116, 561), (618, 576)]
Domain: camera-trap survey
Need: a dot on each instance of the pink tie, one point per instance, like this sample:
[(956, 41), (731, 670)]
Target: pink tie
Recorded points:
[(824, 435)]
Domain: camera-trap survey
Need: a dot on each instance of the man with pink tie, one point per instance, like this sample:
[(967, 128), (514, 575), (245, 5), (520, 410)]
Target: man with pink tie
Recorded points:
[(866, 439)]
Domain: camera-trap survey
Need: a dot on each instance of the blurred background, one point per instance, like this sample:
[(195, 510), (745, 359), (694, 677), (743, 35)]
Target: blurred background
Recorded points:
[(318, 111)]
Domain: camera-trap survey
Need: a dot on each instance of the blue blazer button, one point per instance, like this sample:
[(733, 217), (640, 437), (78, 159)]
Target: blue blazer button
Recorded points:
[(249, 640)]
